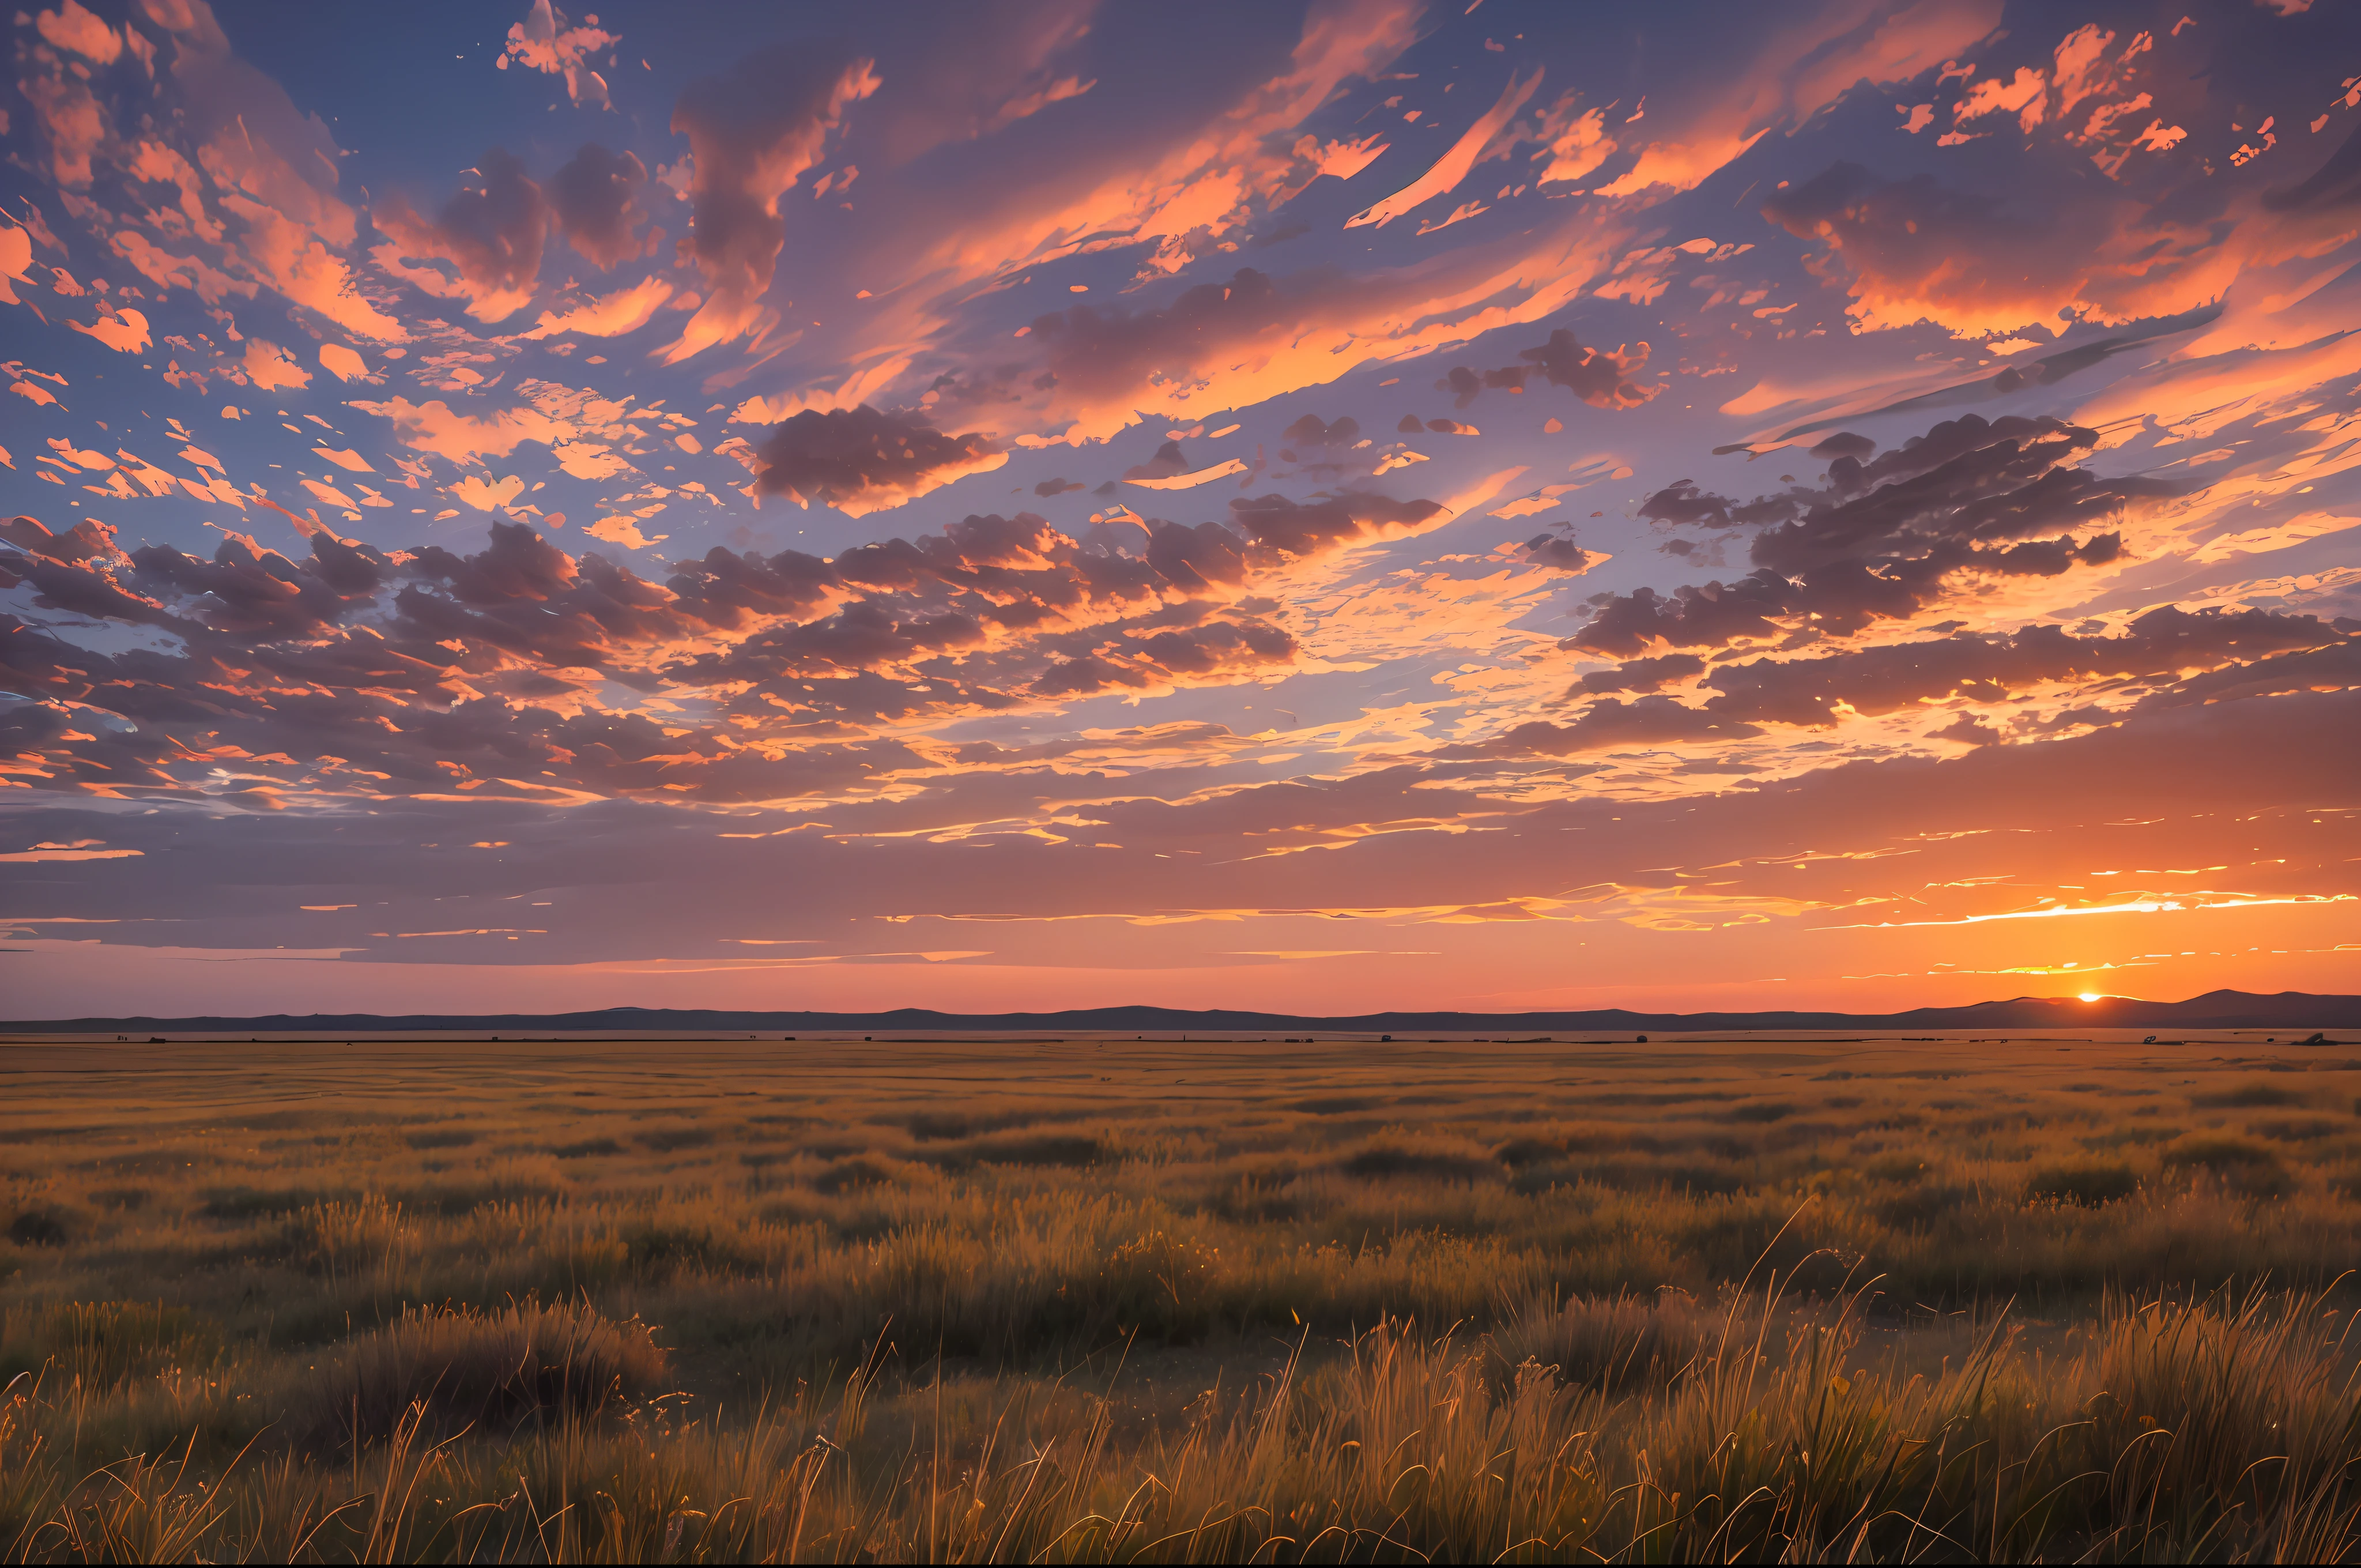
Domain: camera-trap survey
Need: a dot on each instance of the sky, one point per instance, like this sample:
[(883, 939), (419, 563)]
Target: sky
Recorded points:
[(1028, 504)]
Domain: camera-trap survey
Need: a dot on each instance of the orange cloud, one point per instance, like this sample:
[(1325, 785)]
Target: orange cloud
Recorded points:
[(612, 315), (1453, 166), (125, 331), (272, 368)]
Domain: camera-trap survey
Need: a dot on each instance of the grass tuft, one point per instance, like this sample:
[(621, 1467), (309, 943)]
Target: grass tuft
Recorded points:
[(527, 1367)]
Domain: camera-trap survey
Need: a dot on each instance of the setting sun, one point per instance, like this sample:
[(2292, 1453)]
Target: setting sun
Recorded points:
[(2089, 996)]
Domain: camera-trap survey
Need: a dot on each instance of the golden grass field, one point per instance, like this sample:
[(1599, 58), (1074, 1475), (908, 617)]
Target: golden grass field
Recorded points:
[(1228, 1299)]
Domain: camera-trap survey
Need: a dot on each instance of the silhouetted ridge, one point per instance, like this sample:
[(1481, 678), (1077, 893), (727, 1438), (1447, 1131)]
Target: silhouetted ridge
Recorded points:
[(2214, 1009)]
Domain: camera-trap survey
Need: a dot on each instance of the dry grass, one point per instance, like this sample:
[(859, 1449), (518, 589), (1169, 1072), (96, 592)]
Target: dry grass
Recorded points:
[(450, 1372), (1095, 1300)]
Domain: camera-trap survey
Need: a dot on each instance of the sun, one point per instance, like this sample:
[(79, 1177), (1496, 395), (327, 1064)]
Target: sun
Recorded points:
[(2089, 996)]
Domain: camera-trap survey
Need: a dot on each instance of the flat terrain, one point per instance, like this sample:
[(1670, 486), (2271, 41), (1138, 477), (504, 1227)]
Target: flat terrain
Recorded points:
[(1321, 1297)]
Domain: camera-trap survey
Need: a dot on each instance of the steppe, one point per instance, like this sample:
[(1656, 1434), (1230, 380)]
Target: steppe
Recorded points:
[(1233, 1299)]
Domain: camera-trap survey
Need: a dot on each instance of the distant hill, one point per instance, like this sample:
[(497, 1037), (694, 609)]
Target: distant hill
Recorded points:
[(2215, 1009)]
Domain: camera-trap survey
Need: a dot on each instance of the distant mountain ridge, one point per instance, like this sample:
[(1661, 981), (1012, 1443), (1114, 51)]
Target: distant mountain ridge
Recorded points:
[(2214, 1009)]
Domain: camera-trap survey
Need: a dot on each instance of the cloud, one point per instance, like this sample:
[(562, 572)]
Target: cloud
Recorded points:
[(977, 69), (258, 178), (1557, 553), (519, 565), (1595, 376), (492, 235), (2241, 652), (730, 590), (247, 591), (299, 266), (72, 27), (271, 368), (485, 493), (1284, 528), (1884, 538), (1190, 480), (1310, 431), (860, 460), (124, 330), (2046, 370), (1234, 343), (1219, 648), (1178, 180), (752, 133), (544, 42), (1610, 723), (1640, 675), (343, 363), (621, 531), (1780, 65), (596, 196), (588, 460), (72, 120), (2160, 644), (84, 541), (1599, 377), (611, 315), (2337, 183), (1912, 250), (1454, 166), (1966, 483), (435, 427), (422, 670), (2242, 649)]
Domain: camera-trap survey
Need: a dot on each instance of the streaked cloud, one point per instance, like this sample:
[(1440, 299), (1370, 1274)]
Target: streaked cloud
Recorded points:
[(1862, 492)]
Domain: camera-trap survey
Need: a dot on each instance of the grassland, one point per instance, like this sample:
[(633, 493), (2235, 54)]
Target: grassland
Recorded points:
[(1096, 1298)]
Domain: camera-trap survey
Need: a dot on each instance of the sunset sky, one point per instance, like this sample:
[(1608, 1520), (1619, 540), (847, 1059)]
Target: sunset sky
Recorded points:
[(1039, 504)]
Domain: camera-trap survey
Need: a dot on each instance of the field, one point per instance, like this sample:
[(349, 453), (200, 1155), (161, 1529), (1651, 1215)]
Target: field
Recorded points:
[(1331, 1300)]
